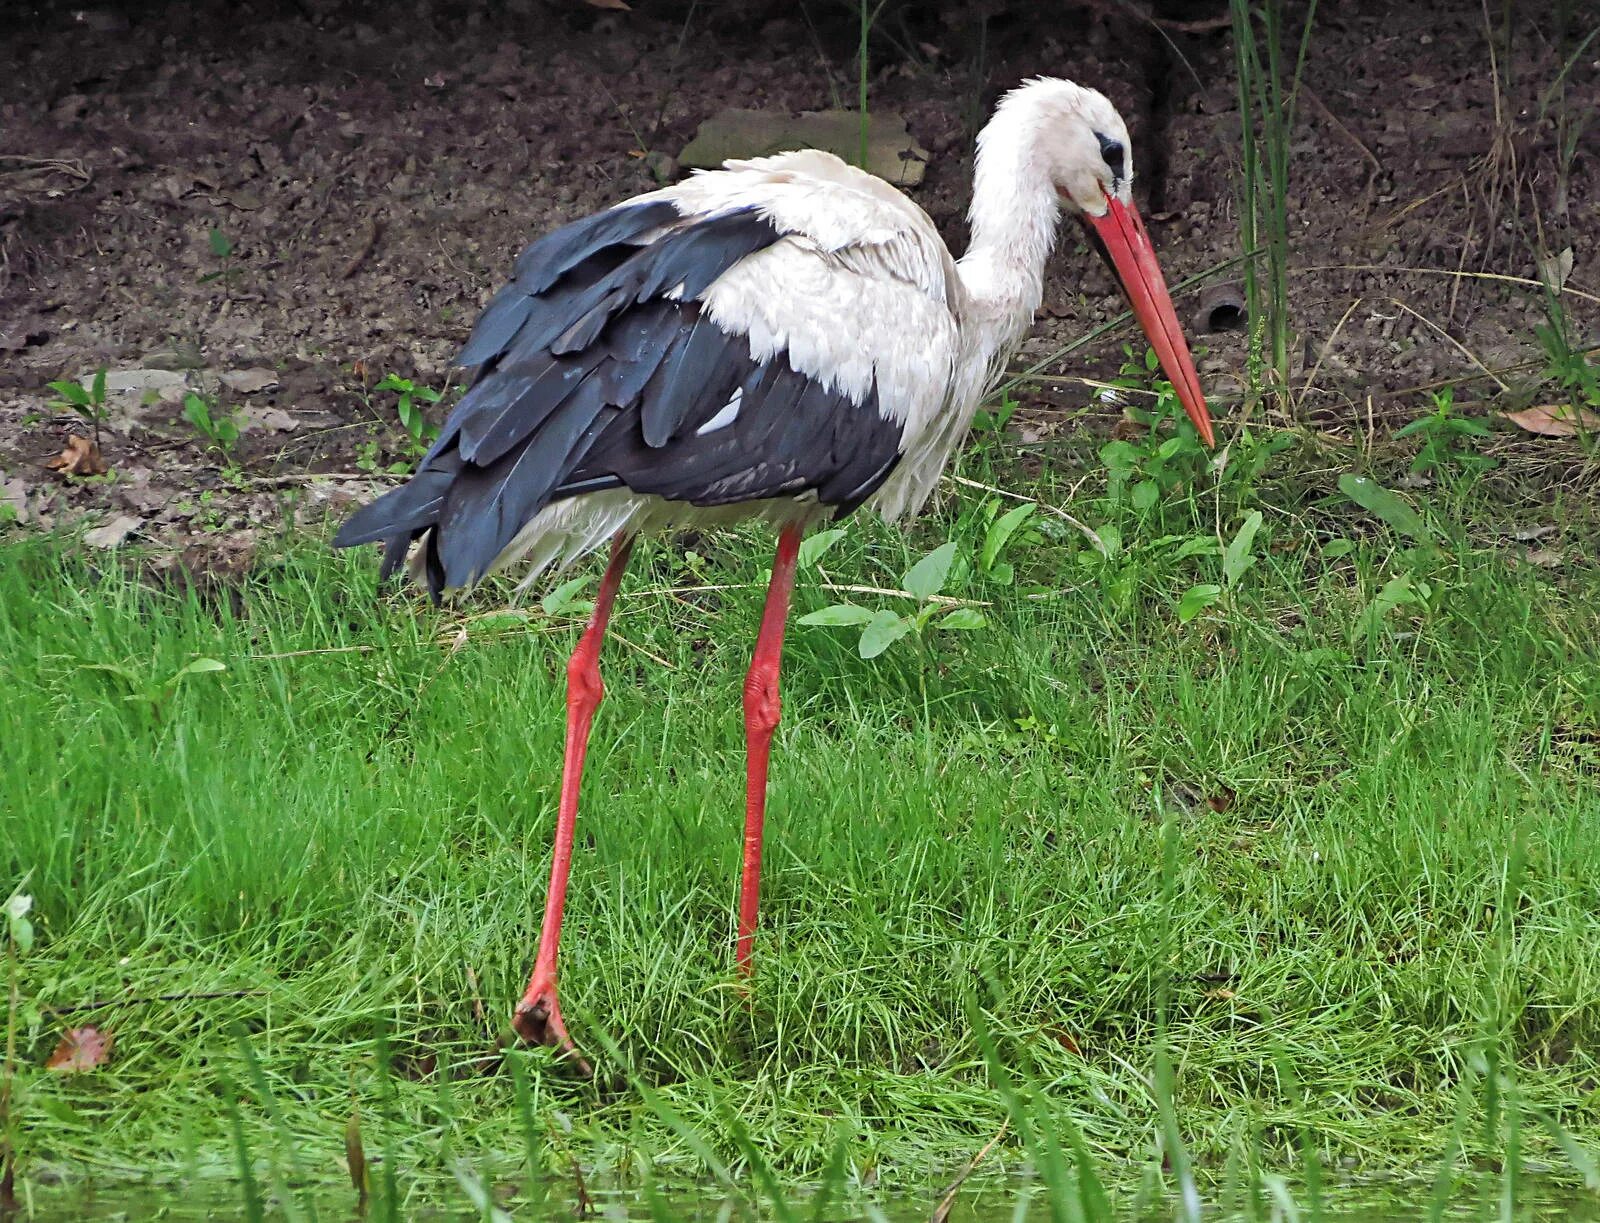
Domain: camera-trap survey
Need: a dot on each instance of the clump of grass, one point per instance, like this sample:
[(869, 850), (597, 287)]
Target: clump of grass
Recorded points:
[(1267, 115)]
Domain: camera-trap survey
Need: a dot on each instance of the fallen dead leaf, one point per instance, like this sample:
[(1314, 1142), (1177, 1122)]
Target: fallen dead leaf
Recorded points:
[(1555, 269), (355, 1156), (1219, 995), (1221, 800), (1064, 1039), (80, 457), (112, 533), (1527, 535), (1554, 420), (81, 1049), (1544, 558)]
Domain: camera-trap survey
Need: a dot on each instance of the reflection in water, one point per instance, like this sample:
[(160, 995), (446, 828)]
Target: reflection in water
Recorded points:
[(989, 1202)]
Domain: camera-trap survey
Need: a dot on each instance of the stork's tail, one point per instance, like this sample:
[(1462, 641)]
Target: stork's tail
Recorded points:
[(403, 514)]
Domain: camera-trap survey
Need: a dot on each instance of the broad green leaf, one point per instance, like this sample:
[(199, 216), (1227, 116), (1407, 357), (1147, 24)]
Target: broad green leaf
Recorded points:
[(1110, 541), (884, 629), (1335, 548), (1397, 592), (1198, 545), (840, 614), (199, 667), (73, 392), (1236, 560), (494, 622), (97, 388), (964, 618), (560, 599), (1145, 493), (1195, 600), (221, 244), (1119, 457), (1374, 497), (926, 577), (197, 412), (1002, 529), (813, 546)]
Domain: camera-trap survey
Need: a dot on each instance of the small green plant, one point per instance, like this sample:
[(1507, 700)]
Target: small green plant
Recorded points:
[(219, 429), (206, 511), (1444, 434), (993, 420), (369, 458), (1238, 558), (880, 629), (1567, 366), (151, 690), (1168, 457), (89, 403), (415, 424), (222, 249)]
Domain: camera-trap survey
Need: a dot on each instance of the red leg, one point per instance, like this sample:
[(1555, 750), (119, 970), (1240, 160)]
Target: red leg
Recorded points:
[(538, 1017), (761, 708)]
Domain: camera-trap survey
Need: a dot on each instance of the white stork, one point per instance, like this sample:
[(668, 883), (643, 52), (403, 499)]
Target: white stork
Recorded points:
[(786, 338)]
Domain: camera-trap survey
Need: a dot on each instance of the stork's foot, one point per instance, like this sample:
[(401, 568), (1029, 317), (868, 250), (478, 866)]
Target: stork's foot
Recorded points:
[(538, 1021)]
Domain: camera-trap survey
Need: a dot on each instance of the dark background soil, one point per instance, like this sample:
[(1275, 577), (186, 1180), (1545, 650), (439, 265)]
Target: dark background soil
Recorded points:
[(377, 166)]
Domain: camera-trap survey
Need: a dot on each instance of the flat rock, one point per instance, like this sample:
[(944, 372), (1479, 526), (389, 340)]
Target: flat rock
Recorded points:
[(112, 533), (891, 152), (138, 381)]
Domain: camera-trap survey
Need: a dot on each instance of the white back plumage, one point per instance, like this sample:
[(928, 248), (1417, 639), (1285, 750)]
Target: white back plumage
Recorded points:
[(861, 291)]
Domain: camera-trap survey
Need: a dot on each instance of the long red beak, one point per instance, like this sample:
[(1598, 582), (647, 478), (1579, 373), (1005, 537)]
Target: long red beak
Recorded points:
[(1127, 243)]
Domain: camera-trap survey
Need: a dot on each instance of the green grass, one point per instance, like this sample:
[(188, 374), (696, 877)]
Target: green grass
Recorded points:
[(1384, 880)]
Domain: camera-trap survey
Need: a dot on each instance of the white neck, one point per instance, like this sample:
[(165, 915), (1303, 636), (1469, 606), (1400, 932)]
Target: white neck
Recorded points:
[(1013, 221)]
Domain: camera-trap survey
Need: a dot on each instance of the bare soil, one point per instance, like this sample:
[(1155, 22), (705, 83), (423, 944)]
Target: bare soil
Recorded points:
[(376, 167)]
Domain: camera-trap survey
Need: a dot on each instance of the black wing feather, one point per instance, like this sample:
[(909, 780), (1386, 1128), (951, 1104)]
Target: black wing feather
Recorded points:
[(591, 376)]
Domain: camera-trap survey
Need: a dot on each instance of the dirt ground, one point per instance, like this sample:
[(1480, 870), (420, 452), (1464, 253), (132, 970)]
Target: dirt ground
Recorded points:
[(372, 169)]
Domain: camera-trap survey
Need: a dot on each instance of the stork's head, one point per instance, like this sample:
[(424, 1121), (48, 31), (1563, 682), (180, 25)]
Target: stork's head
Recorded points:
[(1075, 139)]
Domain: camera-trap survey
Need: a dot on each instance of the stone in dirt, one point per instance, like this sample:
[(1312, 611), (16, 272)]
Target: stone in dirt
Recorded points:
[(138, 381), (249, 381), (891, 152), (112, 533)]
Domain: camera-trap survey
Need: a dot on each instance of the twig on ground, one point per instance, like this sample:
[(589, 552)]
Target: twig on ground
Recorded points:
[(942, 1211), (369, 242), (1374, 166), (1390, 270), (1327, 347), (1089, 532), (1450, 339)]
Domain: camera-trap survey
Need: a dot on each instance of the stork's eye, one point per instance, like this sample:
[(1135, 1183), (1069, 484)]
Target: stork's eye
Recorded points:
[(1115, 156)]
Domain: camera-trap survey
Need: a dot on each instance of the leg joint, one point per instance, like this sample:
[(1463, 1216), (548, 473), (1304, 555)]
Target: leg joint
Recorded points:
[(762, 705), (583, 677)]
